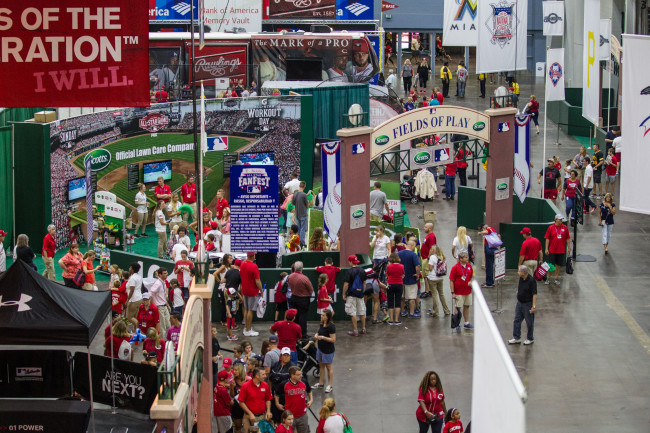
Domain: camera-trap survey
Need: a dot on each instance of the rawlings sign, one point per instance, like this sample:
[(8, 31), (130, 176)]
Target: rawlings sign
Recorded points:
[(73, 53)]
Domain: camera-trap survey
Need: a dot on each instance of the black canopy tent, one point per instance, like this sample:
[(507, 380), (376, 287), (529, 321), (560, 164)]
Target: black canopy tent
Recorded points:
[(36, 311)]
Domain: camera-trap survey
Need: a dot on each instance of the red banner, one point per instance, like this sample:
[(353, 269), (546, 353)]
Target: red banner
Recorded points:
[(221, 61), (74, 53)]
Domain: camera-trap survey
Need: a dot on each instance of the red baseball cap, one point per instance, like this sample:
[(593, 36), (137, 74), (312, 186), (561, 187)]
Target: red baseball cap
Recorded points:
[(214, 224), (525, 231), (223, 375), (359, 47), (238, 262), (227, 362), (3, 233), (250, 255), (353, 259), (291, 313)]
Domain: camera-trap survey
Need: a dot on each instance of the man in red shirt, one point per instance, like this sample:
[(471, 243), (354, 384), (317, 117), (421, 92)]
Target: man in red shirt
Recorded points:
[(188, 197), (163, 192), (301, 292), (296, 391), (557, 244), (49, 246), (531, 251), (251, 288), (148, 316), (460, 278), (255, 399), (450, 181), (461, 165), (429, 242), (222, 203), (331, 271), (288, 333)]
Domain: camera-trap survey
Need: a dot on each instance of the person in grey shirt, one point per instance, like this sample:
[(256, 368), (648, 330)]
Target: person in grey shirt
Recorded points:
[(301, 202), (378, 202)]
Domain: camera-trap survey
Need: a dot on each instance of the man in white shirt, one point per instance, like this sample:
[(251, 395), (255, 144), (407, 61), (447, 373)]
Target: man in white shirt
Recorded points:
[(293, 185), (3, 256), (391, 81), (134, 289), (159, 298), (588, 184)]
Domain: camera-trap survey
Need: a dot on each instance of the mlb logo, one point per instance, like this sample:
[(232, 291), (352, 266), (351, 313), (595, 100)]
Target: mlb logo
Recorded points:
[(358, 148), (504, 127), (253, 189), (217, 143)]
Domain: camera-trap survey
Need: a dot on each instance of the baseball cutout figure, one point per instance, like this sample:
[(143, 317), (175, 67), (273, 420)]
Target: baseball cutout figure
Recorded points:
[(332, 212)]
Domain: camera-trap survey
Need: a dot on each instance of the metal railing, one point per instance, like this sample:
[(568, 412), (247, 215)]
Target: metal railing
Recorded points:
[(169, 380)]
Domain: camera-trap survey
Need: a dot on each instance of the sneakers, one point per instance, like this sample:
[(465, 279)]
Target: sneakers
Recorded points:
[(251, 333), (386, 318), (353, 333), (317, 386), (397, 323), (233, 338), (425, 295), (363, 332), (515, 341), (145, 235), (329, 388), (391, 323), (404, 314), (468, 326), (458, 328), (137, 236), (487, 286), (417, 310), (528, 342), (556, 282), (414, 316), (547, 281)]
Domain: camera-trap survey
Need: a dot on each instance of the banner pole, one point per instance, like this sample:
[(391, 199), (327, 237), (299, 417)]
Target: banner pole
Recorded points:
[(609, 88), (90, 386), (197, 151), (543, 165), (110, 323)]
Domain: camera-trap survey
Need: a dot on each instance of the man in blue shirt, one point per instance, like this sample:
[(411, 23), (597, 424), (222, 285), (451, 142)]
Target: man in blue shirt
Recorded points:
[(411, 262), (610, 136)]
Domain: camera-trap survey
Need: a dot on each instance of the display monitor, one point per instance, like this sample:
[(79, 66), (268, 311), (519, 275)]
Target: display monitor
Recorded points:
[(76, 188), (257, 158), (153, 170), (305, 69)]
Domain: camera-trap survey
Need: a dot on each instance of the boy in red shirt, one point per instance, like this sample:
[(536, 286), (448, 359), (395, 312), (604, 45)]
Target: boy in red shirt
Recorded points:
[(222, 403), (612, 165), (450, 181), (557, 244), (460, 277), (148, 315), (331, 271), (294, 242), (183, 270)]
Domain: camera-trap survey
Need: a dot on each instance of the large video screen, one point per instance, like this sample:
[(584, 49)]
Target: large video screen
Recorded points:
[(154, 170), (76, 188), (257, 158)]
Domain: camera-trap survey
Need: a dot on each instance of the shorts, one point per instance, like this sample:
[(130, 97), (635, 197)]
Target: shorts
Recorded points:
[(424, 269), (324, 358), (463, 300), (281, 307), (597, 174), (251, 302), (610, 179), (355, 306), (556, 258), (374, 217), (320, 310), (550, 193), (410, 291), (221, 424), (618, 157)]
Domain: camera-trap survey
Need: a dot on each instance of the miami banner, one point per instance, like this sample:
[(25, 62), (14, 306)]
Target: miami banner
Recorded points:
[(522, 156), (460, 22), (74, 53), (553, 24), (502, 38), (635, 124), (555, 74), (590, 61), (331, 172)]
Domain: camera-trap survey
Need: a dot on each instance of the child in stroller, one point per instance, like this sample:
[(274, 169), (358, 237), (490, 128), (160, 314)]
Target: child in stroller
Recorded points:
[(407, 189), (306, 349)]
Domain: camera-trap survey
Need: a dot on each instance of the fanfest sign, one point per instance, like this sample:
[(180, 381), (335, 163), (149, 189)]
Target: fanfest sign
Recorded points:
[(73, 53)]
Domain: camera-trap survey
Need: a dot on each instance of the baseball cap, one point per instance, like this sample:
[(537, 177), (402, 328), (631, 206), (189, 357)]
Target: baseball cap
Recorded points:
[(353, 258), (341, 52), (146, 295), (559, 217), (285, 351), (227, 362), (232, 291), (3, 233), (550, 160), (525, 231), (214, 224), (359, 47), (250, 255), (291, 313), (273, 339), (238, 262), (113, 313), (223, 375)]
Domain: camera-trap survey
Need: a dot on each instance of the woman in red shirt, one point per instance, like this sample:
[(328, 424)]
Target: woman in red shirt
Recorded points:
[(71, 263), (533, 109), (87, 267), (119, 335), (572, 185), (431, 403), (395, 281)]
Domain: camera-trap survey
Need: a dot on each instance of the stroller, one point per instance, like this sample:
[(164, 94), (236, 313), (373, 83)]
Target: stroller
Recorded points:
[(307, 357), (407, 189)]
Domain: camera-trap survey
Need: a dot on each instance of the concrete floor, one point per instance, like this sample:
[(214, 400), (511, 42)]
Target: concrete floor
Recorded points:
[(588, 370)]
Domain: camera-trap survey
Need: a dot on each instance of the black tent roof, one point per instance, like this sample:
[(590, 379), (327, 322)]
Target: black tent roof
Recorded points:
[(37, 311)]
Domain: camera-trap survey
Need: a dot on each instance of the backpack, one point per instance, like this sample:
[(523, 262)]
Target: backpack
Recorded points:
[(79, 278), (285, 286), (441, 268), (125, 351), (356, 288)]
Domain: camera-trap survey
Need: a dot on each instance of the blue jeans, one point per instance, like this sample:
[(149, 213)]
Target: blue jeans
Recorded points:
[(489, 266), (461, 89), (522, 312), (450, 185), (302, 229), (607, 233), (571, 207), (284, 216)]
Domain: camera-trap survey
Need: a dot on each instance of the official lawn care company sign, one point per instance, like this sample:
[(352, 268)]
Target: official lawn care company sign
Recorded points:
[(74, 53)]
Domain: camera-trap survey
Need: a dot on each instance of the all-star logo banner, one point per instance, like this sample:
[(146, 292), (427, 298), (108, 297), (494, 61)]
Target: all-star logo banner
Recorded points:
[(635, 124), (553, 24), (502, 38), (460, 23), (521, 181), (331, 172), (555, 74), (591, 61), (605, 36)]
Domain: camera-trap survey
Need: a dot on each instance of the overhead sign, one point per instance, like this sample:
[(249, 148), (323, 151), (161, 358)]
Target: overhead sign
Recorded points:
[(114, 210), (386, 6), (73, 53), (428, 121), (104, 197), (431, 156), (553, 24), (222, 15), (220, 62), (354, 9), (460, 21), (321, 9), (591, 61), (502, 36), (605, 38), (154, 122), (172, 10), (99, 159)]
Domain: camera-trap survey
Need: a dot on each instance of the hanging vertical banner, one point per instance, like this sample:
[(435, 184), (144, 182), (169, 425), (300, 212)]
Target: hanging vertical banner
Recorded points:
[(331, 172), (89, 200), (605, 35), (590, 61), (553, 24), (460, 22), (502, 38), (555, 75), (521, 178), (636, 123)]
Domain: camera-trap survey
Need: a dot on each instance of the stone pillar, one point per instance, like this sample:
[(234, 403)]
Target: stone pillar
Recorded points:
[(501, 165), (355, 192)]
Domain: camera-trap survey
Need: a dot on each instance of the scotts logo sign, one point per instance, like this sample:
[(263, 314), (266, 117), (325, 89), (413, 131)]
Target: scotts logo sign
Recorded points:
[(422, 157), (381, 140), (154, 122), (478, 126), (502, 186), (99, 159), (358, 214)]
